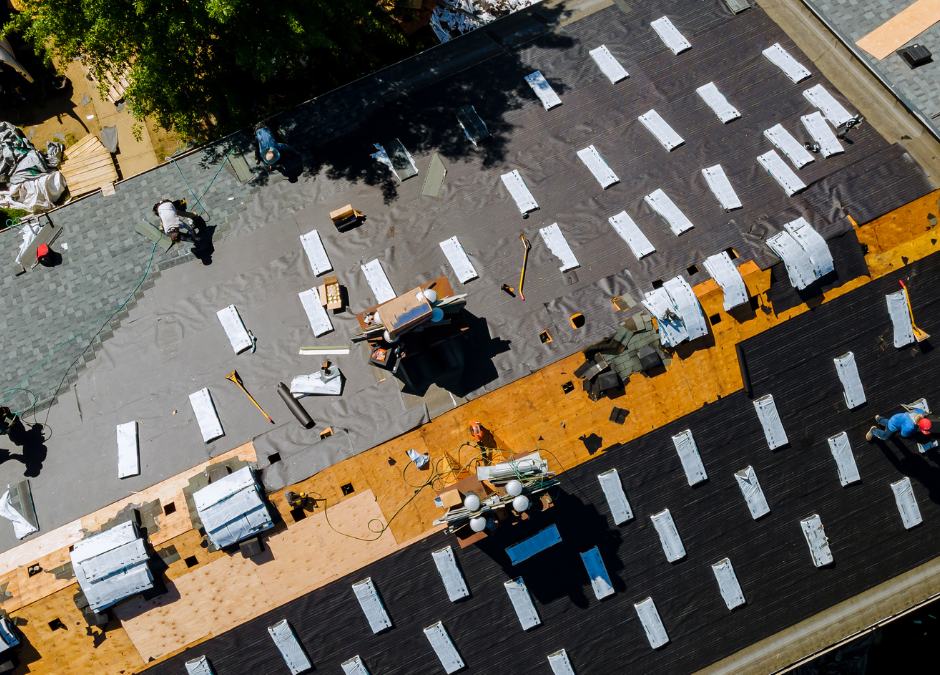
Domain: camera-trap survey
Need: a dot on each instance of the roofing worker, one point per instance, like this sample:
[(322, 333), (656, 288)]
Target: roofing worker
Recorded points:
[(908, 423), (7, 419), (170, 213), (269, 150)]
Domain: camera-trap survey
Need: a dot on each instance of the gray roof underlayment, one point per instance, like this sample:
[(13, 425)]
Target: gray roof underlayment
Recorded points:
[(169, 342), (855, 20)]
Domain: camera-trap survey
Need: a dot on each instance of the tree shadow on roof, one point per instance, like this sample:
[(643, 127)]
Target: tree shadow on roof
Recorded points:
[(416, 101)]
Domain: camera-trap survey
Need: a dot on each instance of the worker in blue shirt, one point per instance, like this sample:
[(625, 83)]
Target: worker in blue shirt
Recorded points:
[(908, 423), (269, 151)]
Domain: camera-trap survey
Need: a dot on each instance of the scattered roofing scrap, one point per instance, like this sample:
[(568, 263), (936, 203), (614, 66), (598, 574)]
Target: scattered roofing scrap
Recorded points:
[(753, 495), (128, 450), (817, 540), (664, 133), (803, 251), (845, 460), (726, 275), (543, 90), (718, 103), (781, 58), (522, 603), (608, 64), (396, 157), (670, 35), (206, 415), (596, 164), (16, 505), (728, 583)]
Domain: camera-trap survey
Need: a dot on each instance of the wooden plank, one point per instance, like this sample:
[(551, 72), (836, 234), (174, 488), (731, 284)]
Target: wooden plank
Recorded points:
[(75, 648), (232, 589), (83, 145), (96, 174), (901, 28), (87, 184), (74, 166), (89, 152)]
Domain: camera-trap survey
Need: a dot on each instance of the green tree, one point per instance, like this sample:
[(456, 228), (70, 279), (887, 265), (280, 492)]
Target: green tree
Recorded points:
[(205, 67)]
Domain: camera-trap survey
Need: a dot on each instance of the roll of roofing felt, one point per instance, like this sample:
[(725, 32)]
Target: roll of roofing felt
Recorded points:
[(294, 406)]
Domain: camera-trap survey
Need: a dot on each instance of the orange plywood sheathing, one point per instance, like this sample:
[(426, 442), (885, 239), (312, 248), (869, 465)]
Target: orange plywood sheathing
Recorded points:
[(901, 28), (75, 648), (901, 225), (232, 589), (51, 549), (533, 412), (880, 264)]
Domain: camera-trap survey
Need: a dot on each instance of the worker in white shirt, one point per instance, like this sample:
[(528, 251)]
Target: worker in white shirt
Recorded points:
[(170, 213)]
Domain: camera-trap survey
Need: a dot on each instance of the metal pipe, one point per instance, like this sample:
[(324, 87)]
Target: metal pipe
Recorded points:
[(294, 406)]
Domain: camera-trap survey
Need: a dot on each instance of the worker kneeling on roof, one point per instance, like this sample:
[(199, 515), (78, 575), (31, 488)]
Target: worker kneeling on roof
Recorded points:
[(170, 213), (269, 152), (908, 423)]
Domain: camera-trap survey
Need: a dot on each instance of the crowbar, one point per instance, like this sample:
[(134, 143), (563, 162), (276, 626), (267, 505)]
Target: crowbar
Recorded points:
[(919, 335), (233, 377), (525, 259)]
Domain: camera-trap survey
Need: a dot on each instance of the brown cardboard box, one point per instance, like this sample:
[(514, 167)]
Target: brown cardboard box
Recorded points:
[(451, 498), (405, 312)]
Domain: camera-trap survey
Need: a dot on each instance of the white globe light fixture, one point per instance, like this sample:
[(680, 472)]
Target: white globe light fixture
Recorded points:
[(520, 503), (514, 488), (478, 524), (471, 502)]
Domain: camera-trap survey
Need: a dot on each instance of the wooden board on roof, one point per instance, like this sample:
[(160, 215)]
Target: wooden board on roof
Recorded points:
[(88, 166)]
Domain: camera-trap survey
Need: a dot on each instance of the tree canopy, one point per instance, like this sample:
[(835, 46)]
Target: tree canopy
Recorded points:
[(205, 67)]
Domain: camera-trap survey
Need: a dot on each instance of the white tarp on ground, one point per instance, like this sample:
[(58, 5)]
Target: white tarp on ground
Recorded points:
[(37, 195), (19, 159)]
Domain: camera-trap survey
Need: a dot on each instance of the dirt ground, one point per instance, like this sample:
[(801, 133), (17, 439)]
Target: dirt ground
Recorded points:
[(50, 109)]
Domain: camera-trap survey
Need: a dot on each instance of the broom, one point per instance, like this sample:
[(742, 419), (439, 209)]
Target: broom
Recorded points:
[(919, 335)]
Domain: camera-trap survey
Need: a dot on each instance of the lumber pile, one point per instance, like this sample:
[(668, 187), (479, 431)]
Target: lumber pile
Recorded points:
[(117, 84), (88, 166)]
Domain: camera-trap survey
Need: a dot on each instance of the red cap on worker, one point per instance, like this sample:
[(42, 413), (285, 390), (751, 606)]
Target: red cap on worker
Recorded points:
[(924, 425)]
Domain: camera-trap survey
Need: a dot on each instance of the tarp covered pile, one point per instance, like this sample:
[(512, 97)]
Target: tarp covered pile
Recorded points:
[(34, 183)]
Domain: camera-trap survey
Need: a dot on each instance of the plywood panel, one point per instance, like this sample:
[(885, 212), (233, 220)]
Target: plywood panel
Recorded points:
[(170, 490), (901, 28), (901, 225), (207, 601), (30, 551), (28, 589), (76, 648), (232, 589), (51, 549), (531, 412)]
